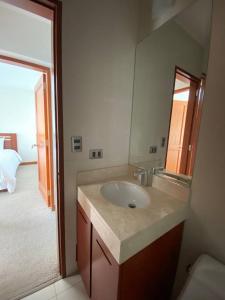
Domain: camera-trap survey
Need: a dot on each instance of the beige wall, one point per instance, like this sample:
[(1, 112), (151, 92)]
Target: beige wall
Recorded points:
[(154, 13), (145, 19), (162, 12), (205, 229), (99, 39)]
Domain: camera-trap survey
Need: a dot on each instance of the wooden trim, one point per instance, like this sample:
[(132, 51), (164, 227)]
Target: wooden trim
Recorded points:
[(23, 63), (33, 7), (188, 126), (26, 163), (171, 110), (182, 72), (56, 7), (51, 4), (59, 132), (195, 127)]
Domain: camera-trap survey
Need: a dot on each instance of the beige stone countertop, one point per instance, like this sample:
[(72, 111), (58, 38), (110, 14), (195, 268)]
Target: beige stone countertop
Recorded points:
[(126, 231)]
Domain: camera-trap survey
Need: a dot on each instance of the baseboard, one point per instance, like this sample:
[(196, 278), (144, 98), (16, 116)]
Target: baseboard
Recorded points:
[(25, 163)]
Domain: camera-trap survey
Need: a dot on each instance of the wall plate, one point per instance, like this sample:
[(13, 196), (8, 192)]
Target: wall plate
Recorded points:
[(76, 143), (96, 153)]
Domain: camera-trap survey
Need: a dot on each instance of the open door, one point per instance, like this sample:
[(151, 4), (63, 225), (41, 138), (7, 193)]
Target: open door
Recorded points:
[(184, 123), (195, 127), (177, 125), (186, 147), (44, 139)]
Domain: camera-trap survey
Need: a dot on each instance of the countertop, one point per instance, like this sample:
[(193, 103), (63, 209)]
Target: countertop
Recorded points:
[(126, 231)]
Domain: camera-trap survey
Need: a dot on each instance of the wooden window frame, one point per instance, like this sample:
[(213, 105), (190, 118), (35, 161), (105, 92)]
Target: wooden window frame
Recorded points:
[(52, 10)]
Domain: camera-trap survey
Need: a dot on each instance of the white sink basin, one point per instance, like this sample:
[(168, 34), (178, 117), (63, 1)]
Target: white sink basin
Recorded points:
[(125, 194)]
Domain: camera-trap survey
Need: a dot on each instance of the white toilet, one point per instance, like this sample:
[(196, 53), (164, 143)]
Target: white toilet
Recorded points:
[(206, 280)]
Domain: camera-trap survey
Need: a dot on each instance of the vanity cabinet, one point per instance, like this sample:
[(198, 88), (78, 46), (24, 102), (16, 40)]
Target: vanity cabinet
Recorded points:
[(105, 271), (84, 247), (148, 275)]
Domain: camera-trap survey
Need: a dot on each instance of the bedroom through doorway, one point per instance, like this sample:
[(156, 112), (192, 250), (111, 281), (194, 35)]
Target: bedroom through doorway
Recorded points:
[(29, 243), (27, 207)]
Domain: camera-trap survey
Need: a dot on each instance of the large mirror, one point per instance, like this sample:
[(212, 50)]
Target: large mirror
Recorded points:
[(170, 74)]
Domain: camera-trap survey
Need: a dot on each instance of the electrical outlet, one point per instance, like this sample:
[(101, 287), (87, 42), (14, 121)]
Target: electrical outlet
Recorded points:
[(76, 143), (153, 149), (95, 153)]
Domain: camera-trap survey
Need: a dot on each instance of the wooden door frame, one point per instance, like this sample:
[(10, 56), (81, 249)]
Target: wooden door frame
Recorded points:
[(195, 106), (188, 125), (52, 10), (196, 124)]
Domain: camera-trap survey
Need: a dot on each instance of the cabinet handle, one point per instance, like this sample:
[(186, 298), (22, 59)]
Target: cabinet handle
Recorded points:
[(82, 216), (103, 252)]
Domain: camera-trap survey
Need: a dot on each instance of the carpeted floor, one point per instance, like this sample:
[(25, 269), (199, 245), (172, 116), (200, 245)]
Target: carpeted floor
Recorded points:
[(28, 239)]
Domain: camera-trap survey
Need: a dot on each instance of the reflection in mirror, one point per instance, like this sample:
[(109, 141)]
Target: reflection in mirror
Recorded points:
[(170, 73)]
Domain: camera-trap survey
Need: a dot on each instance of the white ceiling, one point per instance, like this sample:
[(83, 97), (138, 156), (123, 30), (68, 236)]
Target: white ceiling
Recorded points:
[(17, 77), (196, 21), (25, 35)]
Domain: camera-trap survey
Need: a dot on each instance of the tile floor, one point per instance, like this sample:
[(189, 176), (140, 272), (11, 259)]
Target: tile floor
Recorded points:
[(70, 288)]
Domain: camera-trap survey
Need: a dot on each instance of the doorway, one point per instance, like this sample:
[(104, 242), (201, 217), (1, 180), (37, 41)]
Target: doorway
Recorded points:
[(43, 117), (50, 10), (184, 122), (28, 220)]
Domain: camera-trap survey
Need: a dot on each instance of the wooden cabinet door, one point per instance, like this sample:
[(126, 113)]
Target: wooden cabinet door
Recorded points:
[(105, 271), (150, 274), (84, 247)]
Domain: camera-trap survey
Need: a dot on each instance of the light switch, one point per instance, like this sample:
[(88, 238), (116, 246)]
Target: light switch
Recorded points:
[(76, 143)]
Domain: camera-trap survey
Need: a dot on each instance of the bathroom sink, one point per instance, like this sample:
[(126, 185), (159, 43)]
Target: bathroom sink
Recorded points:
[(125, 194)]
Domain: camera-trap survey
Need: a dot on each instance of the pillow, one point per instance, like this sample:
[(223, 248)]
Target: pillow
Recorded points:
[(1, 143)]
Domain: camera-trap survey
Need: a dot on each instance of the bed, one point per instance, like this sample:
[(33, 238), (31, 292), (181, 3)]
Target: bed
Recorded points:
[(9, 161)]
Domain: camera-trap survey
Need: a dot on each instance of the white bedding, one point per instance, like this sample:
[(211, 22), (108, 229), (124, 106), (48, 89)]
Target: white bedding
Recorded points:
[(9, 162)]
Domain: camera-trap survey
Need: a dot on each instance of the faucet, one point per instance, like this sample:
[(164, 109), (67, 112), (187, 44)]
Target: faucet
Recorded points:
[(145, 176), (157, 170), (142, 176)]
